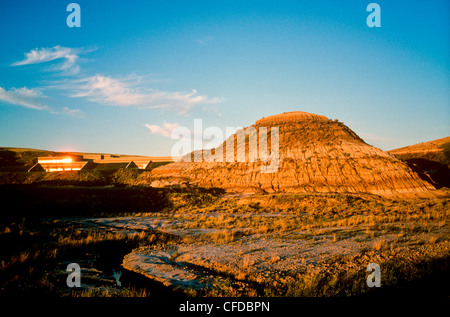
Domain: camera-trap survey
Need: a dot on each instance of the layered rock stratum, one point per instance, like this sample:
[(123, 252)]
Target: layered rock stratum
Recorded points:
[(316, 155)]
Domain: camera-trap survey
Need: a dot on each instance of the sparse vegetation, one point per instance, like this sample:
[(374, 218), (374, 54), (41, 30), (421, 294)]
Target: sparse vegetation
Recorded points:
[(35, 242)]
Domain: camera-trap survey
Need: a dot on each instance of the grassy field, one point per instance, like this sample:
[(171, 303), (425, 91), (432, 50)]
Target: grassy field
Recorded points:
[(259, 245)]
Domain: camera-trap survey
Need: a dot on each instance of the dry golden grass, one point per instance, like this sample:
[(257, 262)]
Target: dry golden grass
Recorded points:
[(109, 292), (80, 239), (377, 225), (255, 218), (380, 226)]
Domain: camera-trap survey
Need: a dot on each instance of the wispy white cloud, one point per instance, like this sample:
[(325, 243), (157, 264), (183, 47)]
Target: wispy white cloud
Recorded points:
[(165, 129), (68, 111), (107, 90), (25, 97), (32, 98), (128, 92), (187, 135), (69, 57)]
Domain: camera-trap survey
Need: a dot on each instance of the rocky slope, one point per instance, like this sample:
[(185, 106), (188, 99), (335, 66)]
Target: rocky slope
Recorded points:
[(315, 155), (430, 160), (422, 149)]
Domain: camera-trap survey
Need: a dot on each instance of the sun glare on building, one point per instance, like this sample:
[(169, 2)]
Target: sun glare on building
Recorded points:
[(91, 161)]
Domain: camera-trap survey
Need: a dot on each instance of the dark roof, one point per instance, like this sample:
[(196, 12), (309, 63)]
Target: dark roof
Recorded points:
[(106, 166)]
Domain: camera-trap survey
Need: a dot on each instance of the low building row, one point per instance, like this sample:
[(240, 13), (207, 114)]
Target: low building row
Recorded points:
[(102, 161)]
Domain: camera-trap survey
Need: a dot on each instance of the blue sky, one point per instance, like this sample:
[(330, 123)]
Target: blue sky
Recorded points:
[(136, 69)]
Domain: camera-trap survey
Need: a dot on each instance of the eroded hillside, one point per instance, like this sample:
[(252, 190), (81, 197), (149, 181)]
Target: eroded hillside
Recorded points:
[(315, 155)]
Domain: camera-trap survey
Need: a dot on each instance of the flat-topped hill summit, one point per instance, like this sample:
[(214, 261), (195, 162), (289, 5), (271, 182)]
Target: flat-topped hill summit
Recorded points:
[(316, 154), (293, 116)]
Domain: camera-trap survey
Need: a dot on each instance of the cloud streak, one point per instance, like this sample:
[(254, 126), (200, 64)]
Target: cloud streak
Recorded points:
[(32, 98), (165, 129), (126, 92), (25, 97), (69, 57)]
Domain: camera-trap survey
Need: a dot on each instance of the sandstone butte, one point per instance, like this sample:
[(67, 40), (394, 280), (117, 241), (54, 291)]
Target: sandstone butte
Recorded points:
[(316, 155)]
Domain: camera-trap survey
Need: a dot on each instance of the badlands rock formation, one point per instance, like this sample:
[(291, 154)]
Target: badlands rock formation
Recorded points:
[(316, 154), (430, 160), (422, 149)]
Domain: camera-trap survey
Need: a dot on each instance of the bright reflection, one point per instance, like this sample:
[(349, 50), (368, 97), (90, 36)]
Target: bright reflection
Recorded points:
[(64, 160), (60, 169)]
